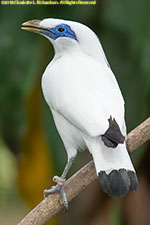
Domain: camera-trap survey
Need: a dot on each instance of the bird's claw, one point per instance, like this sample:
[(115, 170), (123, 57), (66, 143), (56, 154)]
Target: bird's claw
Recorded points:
[(64, 197), (51, 190), (58, 187)]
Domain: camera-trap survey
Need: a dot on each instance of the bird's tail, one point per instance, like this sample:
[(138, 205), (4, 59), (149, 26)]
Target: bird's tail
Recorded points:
[(115, 170)]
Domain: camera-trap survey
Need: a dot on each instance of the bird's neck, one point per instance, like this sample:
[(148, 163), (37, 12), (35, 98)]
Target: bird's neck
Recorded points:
[(93, 49), (62, 47)]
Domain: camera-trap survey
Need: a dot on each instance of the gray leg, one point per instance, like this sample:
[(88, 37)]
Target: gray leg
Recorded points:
[(60, 183), (67, 167)]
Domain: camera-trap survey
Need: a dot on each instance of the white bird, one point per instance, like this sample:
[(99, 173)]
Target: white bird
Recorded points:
[(86, 102)]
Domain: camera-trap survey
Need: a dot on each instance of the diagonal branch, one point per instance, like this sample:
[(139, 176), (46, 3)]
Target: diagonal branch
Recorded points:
[(52, 205)]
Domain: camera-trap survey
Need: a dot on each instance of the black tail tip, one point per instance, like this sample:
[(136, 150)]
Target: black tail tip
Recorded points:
[(118, 182)]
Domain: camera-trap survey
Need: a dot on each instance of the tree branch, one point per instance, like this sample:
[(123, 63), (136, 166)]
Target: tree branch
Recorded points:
[(53, 204)]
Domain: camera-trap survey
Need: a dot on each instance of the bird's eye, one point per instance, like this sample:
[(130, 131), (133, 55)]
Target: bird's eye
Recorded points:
[(61, 29)]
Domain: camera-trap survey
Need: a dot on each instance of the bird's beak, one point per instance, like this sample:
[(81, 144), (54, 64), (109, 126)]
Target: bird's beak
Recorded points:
[(32, 26)]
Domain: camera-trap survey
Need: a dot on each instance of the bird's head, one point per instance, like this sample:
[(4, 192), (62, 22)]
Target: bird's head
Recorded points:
[(66, 35), (53, 29)]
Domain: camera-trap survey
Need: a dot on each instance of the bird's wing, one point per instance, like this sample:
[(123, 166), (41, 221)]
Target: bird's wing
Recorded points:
[(90, 99), (88, 113), (85, 114)]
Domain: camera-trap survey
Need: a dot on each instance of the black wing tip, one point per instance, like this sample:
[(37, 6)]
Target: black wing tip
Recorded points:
[(109, 143), (118, 182), (113, 135)]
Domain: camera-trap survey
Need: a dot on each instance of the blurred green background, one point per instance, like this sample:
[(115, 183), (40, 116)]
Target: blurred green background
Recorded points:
[(31, 151)]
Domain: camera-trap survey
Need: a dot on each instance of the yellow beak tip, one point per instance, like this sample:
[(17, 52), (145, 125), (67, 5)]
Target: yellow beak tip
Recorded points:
[(32, 26)]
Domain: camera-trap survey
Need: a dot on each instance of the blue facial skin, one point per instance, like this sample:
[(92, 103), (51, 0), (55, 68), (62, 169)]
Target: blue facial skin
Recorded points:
[(61, 30)]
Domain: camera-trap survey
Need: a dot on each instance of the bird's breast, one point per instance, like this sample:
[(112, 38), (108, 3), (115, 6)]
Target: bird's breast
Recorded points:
[(64, 77)]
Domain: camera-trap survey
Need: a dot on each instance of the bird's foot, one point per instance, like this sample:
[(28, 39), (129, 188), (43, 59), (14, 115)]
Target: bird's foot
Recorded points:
[(58, 187)]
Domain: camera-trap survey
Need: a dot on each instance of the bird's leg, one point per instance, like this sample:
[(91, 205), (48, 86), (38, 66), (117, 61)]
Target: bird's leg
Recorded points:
[(67, 167), (60, 183)]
